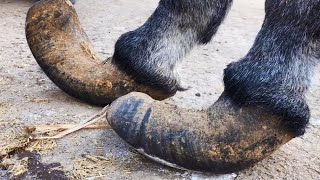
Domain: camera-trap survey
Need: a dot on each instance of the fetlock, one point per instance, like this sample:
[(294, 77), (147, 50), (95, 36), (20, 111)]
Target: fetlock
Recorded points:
[(249, 84)]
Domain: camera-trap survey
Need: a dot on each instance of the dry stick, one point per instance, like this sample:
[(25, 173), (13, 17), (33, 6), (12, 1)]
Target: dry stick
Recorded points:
[(71, 130), (50, 128), (82, 124), (39, 129)]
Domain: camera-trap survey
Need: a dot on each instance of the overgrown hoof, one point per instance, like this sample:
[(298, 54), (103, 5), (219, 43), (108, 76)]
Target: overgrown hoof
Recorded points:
[(222, 139), (65, 54)]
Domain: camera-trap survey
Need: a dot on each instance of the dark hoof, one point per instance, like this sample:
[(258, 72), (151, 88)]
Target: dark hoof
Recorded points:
[(222, 139), (65, 54)]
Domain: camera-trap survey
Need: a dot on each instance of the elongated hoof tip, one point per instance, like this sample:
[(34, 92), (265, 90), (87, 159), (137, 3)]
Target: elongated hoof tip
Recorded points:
[(127, 115), (65, 54), (223, 139)]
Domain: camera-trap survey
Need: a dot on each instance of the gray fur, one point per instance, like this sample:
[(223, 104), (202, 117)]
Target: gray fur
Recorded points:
[(275, 74), (150, 53)]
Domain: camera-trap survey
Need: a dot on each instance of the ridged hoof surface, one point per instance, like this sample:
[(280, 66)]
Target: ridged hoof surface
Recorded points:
[(222, 139), (64, 52)]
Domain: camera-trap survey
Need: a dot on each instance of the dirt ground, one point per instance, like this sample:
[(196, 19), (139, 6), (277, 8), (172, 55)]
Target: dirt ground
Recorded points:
[(28, 96)]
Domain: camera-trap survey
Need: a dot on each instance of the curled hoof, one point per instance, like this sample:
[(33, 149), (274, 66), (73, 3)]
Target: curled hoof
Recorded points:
[(222, 139), (65, 54)]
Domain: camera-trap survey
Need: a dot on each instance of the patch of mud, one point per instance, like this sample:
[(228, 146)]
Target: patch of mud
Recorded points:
[(40, 170), (28, 165)]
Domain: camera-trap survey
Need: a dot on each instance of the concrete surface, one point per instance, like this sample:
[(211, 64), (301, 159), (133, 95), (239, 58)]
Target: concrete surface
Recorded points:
[(28, 95)]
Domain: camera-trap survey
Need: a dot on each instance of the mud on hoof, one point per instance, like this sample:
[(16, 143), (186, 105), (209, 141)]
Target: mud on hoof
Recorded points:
[(65, 54), (277, 71), (222, 139), (72, 1), (262, 79)]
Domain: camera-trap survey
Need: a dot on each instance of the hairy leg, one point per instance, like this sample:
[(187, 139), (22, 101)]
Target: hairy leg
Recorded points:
[(276, 72), (150, 53)]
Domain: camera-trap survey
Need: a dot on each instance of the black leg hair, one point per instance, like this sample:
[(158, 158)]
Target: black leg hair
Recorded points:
[(276, 72), (150, 53)]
